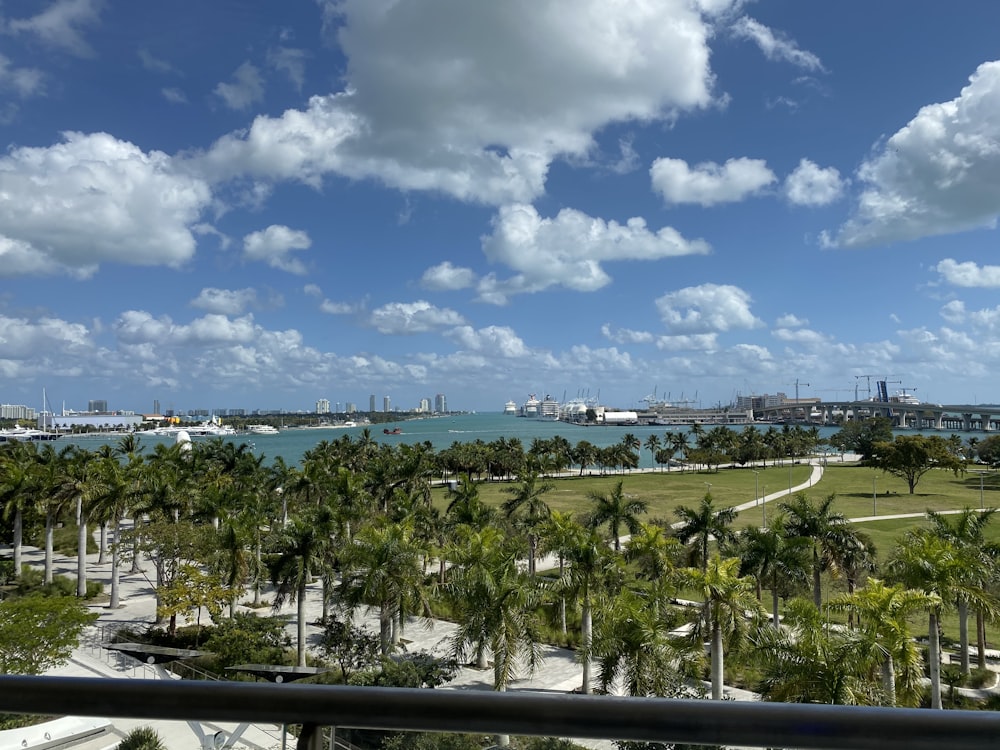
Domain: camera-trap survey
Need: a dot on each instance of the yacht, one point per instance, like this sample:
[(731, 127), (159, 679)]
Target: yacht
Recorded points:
[(25, 433), (262, 429)]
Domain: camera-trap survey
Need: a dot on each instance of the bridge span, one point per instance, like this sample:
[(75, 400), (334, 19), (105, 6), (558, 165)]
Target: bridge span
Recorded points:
[(965, 417)]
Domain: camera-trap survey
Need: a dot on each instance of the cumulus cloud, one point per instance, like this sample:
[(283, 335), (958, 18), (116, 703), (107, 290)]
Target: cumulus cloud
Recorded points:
[(954, 312), (969, 274), (59, 24), (225, 301), (24, 339), (709, 308), (480, 115), (412, 317), (174, 95), (937, 174), (791, 321), (568, 250), (775, 46), (93, 199), (290, 61), (246, 88), (811, 185), (153, 63), (702, 342), (495, 340), (709, 183), (626, 335), (22, 81), (330, 307), (274, 245), (799, 336), (139, 326), (447, 277)]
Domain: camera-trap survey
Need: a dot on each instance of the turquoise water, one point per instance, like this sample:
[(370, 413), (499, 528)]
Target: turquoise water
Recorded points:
[(441, 432)]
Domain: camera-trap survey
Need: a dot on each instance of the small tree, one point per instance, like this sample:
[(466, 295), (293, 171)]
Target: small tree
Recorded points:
[(353, 648), (142, 738), (38, 633), (194, 589), (909, 457)]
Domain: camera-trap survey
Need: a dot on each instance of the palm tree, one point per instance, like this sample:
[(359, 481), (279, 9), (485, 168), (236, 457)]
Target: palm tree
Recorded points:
[(529, 511), (701, 525), (17, 478), (107, 493), (558, 537), (807, 661), (652, 445), (732, 609), (827, 530), (616, 509), (383, 567), (883, 613), (465, 507), (937, 567), (775, 559), (301, 553), (967, 530), (495, 605)]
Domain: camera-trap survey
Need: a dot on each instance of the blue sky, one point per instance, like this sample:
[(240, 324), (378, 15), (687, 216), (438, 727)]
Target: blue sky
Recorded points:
[(257, 205)]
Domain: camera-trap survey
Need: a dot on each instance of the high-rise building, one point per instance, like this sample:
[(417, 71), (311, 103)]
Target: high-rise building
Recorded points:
[(386, 404), (156, 406), (98, 405), (425, 405), (371, 403), (440, 403), (351, 407), (323, 406)]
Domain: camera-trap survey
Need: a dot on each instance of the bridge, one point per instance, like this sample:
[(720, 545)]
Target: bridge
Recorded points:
[(964, 417)]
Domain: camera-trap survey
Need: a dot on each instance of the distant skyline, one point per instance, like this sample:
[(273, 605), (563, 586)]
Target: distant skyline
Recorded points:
[(258, 205)]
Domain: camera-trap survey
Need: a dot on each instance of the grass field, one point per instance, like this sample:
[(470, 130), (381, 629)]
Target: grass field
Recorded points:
[(851, 484)]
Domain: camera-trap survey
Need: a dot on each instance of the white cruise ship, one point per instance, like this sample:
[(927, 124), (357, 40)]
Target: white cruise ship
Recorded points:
[(548, 410), (510, 409), (531, 407)]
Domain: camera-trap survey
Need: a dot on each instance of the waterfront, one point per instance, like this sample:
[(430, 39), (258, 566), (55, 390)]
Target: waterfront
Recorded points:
[(442, 431)]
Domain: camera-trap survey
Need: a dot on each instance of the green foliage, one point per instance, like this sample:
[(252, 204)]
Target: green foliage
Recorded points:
[(31, 582), (39, 632), (353, 648), (909, 457), (142, 738), (434, 741), (6, 571), (64, 540), (416, 670), (246, 638), (860, 436)]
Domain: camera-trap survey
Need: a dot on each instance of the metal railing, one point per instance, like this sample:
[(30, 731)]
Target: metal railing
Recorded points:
[(515, 713)]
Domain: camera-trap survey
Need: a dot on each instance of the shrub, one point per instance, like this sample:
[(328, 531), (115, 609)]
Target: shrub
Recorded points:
[(142, 738)]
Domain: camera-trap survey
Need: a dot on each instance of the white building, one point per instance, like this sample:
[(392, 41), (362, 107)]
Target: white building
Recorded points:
[(323, 406)]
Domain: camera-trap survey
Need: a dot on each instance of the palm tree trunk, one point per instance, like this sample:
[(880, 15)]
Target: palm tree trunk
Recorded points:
[(717, 662), (18, 541), (49, 523), (817, 588), (587, 633), (115, 565), (889, 680), (385, 629), (256, 576), (981, 639), (102, 556), (963, 635), (775, 619), (81, 552), (135, 545), (301, 624), (934, 657)]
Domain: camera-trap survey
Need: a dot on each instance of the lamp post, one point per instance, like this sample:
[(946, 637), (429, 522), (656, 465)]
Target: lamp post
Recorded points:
[(789, 482), (763, 506), (756, 494), (982, 505), (874, 496), (708, 488)]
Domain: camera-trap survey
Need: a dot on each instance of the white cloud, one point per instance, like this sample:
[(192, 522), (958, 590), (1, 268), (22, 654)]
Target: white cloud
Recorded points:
[(710, 183), (31, 343), (447, 277), (138, 326), (291, 62), (626, 335), (479, 115), (969, 274), (954, 312), (58, 25), (152, 63), (225, 301), (174, 95), (312, 290), (494, 340), (791, 321), (274, 245), (93, 199), (775, 46), (330, 307), (709, 308), (937, 174), (800, 336), (704, 342), (23, 81), (810, 185), (568, 250), (246, 88), (412, 317)]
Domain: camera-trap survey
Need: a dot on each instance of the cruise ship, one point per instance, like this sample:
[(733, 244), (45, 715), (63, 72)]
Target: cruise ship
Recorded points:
[(531, 407), (510, 409), (548, 410)]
